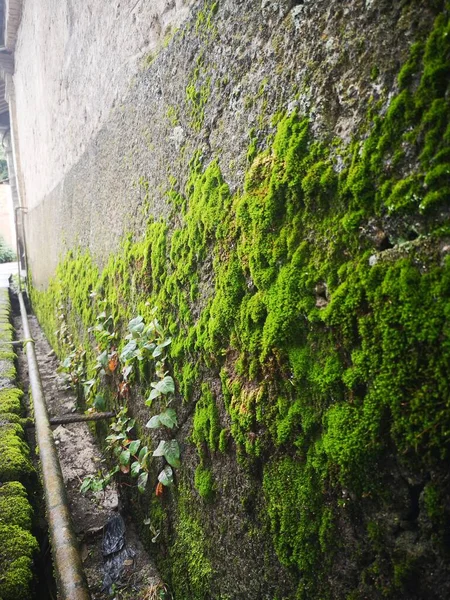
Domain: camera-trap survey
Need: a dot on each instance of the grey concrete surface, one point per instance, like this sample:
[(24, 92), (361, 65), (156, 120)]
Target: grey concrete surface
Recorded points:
[(74, 61), (83, 164), (6, 270)]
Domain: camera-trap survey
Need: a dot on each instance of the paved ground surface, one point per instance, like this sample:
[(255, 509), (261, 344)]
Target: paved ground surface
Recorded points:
[(6, 270)]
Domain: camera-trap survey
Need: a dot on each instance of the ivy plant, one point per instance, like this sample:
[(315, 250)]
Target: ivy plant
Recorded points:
[(144, 343)]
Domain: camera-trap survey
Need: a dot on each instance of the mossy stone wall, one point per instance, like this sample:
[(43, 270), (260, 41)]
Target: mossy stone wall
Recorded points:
[(307, 291)]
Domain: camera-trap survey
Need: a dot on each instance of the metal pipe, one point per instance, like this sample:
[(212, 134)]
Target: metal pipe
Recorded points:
[(25, 256), (74, 418), (70, 577), (16, 225)]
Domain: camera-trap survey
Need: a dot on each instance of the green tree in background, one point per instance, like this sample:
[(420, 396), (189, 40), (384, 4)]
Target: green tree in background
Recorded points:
[(3, 165), (7, 254)]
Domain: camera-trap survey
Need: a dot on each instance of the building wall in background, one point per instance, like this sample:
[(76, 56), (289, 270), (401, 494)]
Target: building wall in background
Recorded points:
[(7, 230)]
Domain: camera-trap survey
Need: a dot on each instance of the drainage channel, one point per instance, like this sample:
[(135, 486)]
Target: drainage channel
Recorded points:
[(78, 548)]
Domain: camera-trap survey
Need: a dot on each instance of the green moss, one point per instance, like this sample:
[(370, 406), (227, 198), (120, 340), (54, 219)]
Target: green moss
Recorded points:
[(204, 482), (411, 66), (204, 24), (8, 372), (223, 440), (190, 566), (329, 364), (172, 115), (14, 506), (14, 454), (206, 427), (10, 401), (186, 378), (434, 503), (301, 525), (16, 558), (198, 92)]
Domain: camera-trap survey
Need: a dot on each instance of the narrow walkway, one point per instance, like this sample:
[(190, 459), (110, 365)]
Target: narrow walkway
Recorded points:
[(79, 457), (7, 269)]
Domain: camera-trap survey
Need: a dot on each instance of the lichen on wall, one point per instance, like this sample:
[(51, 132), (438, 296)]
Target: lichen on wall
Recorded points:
[(309, 310)]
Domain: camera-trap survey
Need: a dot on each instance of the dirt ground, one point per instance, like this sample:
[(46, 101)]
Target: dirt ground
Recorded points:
[(79, 456)]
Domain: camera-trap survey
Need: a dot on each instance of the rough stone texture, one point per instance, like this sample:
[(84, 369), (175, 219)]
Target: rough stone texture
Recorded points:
[(74, 60), (317, 56)]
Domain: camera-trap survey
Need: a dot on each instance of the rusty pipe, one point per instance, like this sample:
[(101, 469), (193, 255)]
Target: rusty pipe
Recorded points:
[(74, 418), (70, 577)]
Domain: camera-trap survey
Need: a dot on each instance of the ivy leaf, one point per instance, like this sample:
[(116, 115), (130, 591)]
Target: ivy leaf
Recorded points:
[(128, 351), (137, 330), (154, 422), (160, 449), (157, 351), (142, 453), (99, 402), (135, 468), (102, 359), (87, 386), (126, 371), (172, 453), (169, 418), (166, 476), (124, 457), (155, 393), (133, 447), (142, 482), (136, 322), (166, 385), (149, 346)]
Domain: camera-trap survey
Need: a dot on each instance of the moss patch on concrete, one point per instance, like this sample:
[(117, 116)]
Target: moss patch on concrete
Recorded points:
[(17, 544), (14, 506), (188, 554), (10, 401), (16, 561)]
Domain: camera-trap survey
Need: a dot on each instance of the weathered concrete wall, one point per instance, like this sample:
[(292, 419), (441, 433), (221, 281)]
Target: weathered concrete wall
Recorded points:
[(294, 264), (74, 62), (259, 58)]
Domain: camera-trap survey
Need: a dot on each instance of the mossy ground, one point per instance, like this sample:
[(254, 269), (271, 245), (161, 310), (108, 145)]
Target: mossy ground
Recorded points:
[(310, 320), (17, 544)]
